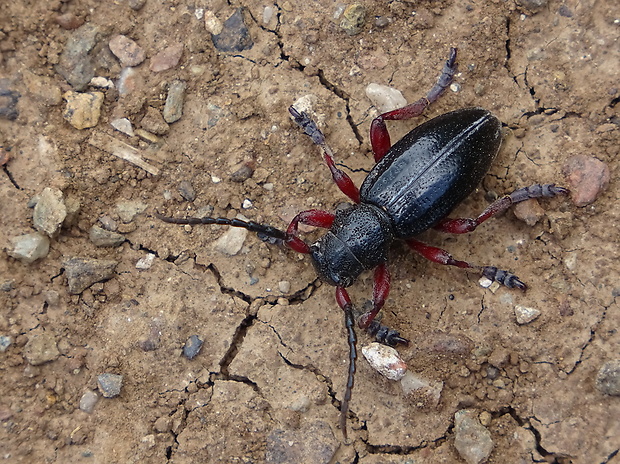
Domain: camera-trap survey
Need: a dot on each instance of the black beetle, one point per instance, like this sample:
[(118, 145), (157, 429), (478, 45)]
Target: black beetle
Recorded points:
[(415, 184)]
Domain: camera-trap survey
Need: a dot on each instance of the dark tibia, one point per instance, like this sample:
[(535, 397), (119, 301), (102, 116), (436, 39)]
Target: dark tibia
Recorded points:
[(264, 231)]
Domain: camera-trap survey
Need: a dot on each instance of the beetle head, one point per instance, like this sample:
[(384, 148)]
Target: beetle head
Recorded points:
[(334, 262)]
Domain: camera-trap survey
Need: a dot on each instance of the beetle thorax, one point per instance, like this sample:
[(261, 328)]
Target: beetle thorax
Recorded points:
[(358, 240)]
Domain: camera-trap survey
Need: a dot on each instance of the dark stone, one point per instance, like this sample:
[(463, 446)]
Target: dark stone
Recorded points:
[(235, 36)]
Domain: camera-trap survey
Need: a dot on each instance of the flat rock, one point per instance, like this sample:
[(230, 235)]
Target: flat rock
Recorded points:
[(29, 247), (83, 272), (40, 349), (50, 211)]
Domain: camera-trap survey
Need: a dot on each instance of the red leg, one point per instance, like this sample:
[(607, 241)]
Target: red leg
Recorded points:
[(311, 217), (379, 135), (464, 225), (342, 180), (439, 256), (380, 291)]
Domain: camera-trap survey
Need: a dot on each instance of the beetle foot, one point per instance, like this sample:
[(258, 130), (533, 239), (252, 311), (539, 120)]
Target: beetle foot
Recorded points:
[(537, 191), (503, 277), (308, 126), (383, 334)]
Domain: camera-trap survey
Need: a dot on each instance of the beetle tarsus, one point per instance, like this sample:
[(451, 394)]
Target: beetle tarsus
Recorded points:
[(503, 277), (384, 334)]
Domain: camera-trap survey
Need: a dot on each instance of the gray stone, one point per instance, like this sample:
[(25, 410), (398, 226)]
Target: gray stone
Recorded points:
[(192, 347), (110, 384), (608, 378), (83, 272), (30, 247), (75, 63), (88, 401), (128, 210), (235, 36), (105, 238), (173, 109), (471, 439)]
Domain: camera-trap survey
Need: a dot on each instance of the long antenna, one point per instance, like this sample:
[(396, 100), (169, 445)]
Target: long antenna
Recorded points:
[(262, 230)]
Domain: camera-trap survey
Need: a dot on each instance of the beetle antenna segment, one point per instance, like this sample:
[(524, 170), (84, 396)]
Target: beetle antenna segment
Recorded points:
[(261, 229), (349, 321), (342, 180)]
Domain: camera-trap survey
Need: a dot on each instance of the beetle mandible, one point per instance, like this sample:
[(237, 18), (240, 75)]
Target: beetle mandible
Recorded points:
[(413, 186)]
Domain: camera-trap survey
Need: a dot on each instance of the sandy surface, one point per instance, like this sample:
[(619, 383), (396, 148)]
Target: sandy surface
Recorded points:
[(267, 383)]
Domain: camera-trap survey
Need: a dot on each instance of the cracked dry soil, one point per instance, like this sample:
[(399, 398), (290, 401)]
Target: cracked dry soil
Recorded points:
[(266, 385)]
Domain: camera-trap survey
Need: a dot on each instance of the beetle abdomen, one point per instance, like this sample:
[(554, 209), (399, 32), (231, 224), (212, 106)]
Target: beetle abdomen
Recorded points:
[(433, 168)]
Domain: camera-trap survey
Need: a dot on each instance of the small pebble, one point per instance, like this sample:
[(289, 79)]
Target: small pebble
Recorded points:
[(5, 342), (525, 315), (587, 177), (247, 204), (83, 109), (385, 360), (385, 98), (123, 125), (163, 424), (529, 211), (50, 211), (187, 190), (110, 384), (173, 109), (231, 242), (88, 401), (608, 378), (192, 347), (146, 262), (40, 349), (101, 82), (104, 238), (136, 4), (30, 247), (284, 286), (154, 122), (235, 36), (126, 50), (168, 58), (471, 439), (212, 24), (81, 273), (108, 223), (69, 21), (128, 210), (353, 19), (243, 173)]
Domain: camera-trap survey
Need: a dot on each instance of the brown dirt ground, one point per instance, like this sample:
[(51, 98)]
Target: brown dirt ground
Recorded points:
[(267, 384)]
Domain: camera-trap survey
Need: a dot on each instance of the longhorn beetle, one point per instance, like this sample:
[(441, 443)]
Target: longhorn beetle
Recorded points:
[(413, 186)]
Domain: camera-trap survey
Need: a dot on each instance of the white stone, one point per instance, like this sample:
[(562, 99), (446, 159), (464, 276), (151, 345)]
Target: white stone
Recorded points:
[(525, 315), (385, 360), (385, 98), (30, 247)]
